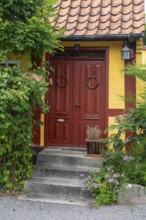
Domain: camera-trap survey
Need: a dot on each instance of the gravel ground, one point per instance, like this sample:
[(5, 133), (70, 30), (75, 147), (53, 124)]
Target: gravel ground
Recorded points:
[(13, 209)]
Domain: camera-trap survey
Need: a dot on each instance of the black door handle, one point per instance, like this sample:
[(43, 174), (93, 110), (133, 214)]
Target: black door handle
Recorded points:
[(77, 105)]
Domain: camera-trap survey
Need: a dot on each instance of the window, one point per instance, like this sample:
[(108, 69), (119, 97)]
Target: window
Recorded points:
[(9, 63), (97, 54)]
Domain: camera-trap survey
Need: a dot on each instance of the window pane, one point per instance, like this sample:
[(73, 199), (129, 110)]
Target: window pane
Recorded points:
[(98, 54)]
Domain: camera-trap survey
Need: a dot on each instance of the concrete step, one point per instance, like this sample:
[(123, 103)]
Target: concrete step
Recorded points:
[(56, 199), (56, 186), (59, 148), (56, 176), (70, 171), (68, 158)]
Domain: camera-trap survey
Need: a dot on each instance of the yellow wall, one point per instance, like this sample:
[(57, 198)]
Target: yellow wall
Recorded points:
[(42, 130), (140, 59), (24, 60), (116, 77), (144, 55), (111, 121)]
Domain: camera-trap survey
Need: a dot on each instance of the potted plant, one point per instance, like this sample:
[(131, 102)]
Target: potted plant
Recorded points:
[(93, 141)]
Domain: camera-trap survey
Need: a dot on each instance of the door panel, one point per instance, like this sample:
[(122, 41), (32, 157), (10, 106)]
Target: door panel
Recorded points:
[(77, 100), (90, 95), (60, 115)]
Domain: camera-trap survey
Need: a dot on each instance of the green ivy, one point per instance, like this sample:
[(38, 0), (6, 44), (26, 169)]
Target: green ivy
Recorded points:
[(25, 26), (20, 95), (25, 29)]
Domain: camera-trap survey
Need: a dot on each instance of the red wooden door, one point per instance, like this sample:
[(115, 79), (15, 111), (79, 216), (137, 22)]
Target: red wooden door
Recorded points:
[(89, 98), (77, 100), (60, 99)]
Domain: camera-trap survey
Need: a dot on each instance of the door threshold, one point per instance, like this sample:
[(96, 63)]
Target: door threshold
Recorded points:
[(72, 148)]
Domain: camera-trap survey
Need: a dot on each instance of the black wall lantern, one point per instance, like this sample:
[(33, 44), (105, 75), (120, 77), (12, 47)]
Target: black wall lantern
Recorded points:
[(126, 53), (76, 46)]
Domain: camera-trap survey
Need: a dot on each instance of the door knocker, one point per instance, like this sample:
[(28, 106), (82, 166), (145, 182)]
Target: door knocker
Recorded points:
[(89, 81), (62, 80)]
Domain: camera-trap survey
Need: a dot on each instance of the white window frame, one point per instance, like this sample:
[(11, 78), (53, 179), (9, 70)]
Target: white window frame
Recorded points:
[(9, 62)]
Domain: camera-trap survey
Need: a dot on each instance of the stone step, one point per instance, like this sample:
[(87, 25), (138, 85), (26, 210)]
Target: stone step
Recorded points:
[(69, 149), (56, 199), (48, 170), (56, 186), (56, 176), (68, 158)]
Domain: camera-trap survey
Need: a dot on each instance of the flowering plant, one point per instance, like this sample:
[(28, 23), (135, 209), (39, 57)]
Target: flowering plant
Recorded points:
[(119, 168), (104, 185), (130, 164)]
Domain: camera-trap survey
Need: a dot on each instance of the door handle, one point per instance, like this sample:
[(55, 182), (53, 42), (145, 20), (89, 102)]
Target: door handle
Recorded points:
[(77, 105)]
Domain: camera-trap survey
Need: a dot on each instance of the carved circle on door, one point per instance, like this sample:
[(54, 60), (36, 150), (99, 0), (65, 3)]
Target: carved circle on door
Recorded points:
[(90, 83), (62, 80)]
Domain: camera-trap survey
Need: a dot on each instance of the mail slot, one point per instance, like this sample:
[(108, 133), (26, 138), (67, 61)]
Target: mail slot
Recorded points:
[(61, 120)]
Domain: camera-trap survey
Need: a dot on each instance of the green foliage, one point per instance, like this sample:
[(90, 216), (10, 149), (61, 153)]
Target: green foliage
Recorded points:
[(130, 164), (144, 37), (104, 186), (135, 123), (119, 168), (20, 95), (25, 26), (18, 10), (132, 121), (129, 155)]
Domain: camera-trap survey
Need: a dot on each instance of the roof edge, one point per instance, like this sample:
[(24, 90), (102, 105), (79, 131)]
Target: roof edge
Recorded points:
[(102, 37)]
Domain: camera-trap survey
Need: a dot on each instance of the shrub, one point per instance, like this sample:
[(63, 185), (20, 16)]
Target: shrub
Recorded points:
[(129, 164), (20, 95), (104, 186), (119, 168)]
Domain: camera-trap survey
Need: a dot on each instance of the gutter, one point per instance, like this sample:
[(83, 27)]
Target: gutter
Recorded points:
[(102, 37)]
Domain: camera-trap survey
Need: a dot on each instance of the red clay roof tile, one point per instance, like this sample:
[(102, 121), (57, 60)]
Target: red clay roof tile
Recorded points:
[(98, 17)]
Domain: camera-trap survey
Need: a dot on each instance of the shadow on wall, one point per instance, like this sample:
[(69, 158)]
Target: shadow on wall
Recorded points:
[(36, 150)]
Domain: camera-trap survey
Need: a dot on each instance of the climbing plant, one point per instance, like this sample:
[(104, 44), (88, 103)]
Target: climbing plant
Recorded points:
[(25, 29), (20, 94)]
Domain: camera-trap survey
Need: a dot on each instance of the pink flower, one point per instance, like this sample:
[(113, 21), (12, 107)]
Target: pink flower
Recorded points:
[(95, 185), (111, 180)]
